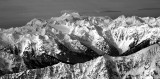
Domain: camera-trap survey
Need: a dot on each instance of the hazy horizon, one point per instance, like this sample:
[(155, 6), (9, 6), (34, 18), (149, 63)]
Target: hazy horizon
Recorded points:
[(16, 13)]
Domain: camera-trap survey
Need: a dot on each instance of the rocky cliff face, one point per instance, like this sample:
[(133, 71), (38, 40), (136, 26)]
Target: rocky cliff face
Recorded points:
[(80, 47)]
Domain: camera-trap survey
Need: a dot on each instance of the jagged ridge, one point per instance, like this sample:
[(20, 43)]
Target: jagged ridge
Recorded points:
[(73, 39)]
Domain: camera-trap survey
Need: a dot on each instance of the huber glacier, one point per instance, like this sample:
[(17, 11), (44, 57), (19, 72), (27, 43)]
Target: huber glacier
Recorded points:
[(82, 47)]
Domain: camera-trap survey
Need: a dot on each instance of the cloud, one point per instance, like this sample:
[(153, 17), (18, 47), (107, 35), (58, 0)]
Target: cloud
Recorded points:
[(109, 11), (149, 9)]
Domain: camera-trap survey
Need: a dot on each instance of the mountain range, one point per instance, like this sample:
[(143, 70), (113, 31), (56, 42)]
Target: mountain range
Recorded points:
[(73, 46)]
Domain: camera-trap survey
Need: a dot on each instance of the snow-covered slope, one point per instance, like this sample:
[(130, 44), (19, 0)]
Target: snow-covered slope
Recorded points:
[(76, 40)]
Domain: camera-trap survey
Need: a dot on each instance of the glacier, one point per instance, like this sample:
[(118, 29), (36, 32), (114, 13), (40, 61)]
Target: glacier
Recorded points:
[(73, 46)]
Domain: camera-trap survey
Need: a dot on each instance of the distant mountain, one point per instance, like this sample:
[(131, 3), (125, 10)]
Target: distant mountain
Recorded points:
[(74, 47)]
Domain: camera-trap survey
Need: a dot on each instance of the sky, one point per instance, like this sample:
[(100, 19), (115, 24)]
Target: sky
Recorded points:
[(16, 13)]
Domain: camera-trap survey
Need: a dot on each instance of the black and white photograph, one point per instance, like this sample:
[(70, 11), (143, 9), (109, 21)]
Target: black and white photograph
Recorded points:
[(79, 39)]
